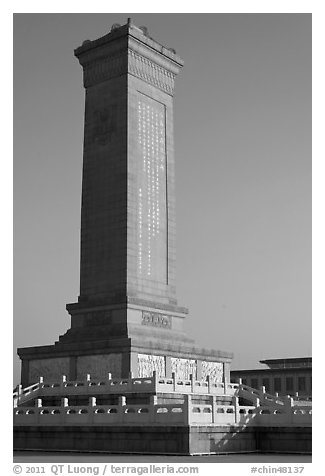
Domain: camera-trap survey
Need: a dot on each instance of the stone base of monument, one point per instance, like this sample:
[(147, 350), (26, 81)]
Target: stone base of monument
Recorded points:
[(134, 338), (157, 415)]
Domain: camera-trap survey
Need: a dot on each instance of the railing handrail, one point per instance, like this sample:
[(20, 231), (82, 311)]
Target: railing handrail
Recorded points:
[(264, 397), (113, 385), (180, 414)]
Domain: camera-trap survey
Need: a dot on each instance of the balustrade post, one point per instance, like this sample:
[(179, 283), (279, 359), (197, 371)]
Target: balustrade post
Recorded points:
[(288, 402), (38, 404), (155, 380), (64, 402), (224, 379), (19, 392), (41, 380), (63, 381), (122, 400), (236, 405), (109, 376), (209, 383), (240, 381), (121, 405), (92, 401), (174, 380), (88, 378), (187, 409), (258, 402), (214, 409), (262, 392), (130, 381), (192, 382), (153, 400)]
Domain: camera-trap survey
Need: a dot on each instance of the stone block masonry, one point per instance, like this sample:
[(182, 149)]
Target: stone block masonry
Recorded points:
[(128, 193), (164, 440)]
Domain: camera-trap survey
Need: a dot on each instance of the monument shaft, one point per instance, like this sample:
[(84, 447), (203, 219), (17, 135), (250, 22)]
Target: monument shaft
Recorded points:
[(128, 197)]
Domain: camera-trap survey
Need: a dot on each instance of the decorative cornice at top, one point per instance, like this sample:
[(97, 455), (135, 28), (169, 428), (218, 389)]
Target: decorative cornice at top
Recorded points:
[(128, 50), (131, 31), (104, 68)]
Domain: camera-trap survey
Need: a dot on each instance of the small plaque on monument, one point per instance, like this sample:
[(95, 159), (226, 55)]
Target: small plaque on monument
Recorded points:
[(156, 319)]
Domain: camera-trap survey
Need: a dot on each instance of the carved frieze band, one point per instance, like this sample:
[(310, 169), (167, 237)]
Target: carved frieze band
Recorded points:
[(103, 69), (213, 369), (183, 368), (156, 319), (147, 364), (150, 72)]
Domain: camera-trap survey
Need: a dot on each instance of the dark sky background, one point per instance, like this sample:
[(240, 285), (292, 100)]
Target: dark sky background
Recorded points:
[(243, 176)]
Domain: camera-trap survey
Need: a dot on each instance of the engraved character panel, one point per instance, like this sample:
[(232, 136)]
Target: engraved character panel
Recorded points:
[(152, 190), (156, 319)]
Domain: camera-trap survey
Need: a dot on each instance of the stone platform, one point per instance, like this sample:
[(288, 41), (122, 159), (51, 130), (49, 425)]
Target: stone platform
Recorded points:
[(157, 416), (166, 440)]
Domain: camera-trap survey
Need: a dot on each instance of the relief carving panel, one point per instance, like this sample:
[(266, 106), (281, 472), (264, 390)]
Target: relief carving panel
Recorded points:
[(213, 369), (183, 368), (148, 363)]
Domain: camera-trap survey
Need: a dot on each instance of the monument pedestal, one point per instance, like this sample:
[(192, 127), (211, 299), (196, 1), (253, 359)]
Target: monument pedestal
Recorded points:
[(122, 340)]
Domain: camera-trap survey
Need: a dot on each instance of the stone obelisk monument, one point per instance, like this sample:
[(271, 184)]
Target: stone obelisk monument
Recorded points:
[(127, 318)]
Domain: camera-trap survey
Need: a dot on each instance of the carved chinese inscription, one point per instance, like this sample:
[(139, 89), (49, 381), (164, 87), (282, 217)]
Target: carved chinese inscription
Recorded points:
[(152, 190), (156, 319)]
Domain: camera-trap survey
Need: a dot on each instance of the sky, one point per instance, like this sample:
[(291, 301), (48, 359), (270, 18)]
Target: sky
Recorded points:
[(242, 125)]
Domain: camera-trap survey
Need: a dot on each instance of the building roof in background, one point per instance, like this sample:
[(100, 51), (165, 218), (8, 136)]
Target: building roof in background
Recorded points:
[(288, 363)]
